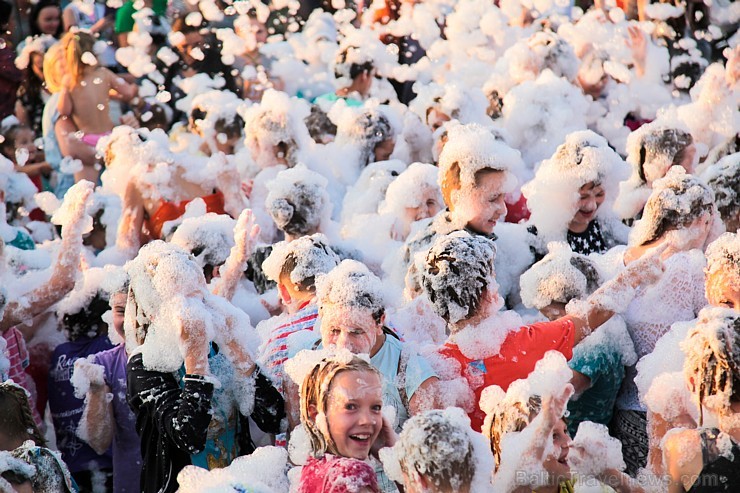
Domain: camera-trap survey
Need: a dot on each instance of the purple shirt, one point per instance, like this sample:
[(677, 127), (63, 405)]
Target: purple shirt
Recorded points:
[(66, 409), (126, 442)]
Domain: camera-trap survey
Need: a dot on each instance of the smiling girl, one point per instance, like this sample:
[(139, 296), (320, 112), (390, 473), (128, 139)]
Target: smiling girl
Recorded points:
[(341, 404)]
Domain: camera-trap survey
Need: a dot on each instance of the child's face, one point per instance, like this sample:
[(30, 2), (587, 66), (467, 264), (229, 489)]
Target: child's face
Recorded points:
[(557, 465), (723, 290), (353, 329), (118, 307), (353, 412), (24, 140), (590, 198), (429, 206), (481, 206)]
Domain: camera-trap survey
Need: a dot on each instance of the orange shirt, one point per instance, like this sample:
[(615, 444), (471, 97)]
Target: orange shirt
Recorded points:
[(169, 211), (519, 353)]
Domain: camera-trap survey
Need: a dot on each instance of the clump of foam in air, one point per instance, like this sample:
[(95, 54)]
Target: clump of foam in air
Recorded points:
[(539, 114)]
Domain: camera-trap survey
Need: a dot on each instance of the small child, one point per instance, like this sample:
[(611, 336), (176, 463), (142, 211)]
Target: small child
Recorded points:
[(19, 147), (85, 91), (107, 419), (341, 409)]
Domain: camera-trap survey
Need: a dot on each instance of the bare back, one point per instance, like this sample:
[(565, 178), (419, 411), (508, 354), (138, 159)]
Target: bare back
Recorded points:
[(90, 100)]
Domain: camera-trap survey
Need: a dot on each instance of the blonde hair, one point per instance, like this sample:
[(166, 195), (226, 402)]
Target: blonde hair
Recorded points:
[(315, 392), (52, 73), (75, 45), (509, 417)]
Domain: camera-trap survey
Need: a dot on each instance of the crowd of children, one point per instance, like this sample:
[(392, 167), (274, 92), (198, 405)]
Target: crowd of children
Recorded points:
[(363, 247)]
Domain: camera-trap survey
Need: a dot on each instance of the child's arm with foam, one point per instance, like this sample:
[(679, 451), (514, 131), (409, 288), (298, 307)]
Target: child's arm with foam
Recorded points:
[(245, 234), (64, 270)]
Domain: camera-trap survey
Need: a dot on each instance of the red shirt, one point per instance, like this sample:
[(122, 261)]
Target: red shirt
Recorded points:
[(332, 474), (519, 353)]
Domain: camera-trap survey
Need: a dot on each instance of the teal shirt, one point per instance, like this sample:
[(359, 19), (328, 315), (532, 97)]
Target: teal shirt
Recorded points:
[(22, 241), (333, 98), (221, 443), (603, 365)]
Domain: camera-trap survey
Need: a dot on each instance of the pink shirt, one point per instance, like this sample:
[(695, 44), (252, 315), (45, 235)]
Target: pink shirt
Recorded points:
[(332, 474)]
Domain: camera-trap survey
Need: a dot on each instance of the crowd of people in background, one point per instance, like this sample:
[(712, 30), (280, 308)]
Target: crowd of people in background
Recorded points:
[(363, 247)]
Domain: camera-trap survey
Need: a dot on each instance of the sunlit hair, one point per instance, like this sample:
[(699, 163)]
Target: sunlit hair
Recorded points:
[(52, 73), (74, 46), (426, 438), (713, 359), (509, 417), (316, 389)]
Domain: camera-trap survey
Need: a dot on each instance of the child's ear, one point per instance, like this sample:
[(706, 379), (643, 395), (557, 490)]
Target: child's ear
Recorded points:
[(312, 412)]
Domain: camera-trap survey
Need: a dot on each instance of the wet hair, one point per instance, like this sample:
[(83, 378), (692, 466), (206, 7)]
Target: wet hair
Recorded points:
[(301, 206), (426, 438), (658, 218), (34, 17), (712, 350), (511, 417), (74, 45), (376, 128), (725, 183), (457, 271), (231, 127), (16, 416), (315, 390), (669, 142), (319, 124), (355, 69), (293, 260), (88, 320), (689, 69)]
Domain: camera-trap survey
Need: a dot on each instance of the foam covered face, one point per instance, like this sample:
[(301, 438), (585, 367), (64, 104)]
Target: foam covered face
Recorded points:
[(590, 198), (557, 464), (349, 328), (429, 206), (384, 150), (692, 236), (723, 290), (353, 412), (482, 205)]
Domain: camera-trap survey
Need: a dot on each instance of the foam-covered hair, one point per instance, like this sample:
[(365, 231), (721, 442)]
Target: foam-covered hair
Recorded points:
[(559, 277), (351, 284), (677, 199), (297, 200), (457, 271), (311, 256), (723, 255), (209, 238), (712, 351)]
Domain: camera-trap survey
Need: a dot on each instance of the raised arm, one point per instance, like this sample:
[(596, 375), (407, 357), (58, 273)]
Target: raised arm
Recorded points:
[(65, 268), (245, 234), (616, 294)]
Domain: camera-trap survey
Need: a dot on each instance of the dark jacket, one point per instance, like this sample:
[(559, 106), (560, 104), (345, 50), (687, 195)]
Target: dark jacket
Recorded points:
[(172, 421)]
